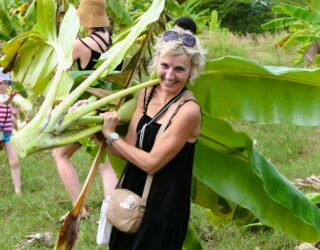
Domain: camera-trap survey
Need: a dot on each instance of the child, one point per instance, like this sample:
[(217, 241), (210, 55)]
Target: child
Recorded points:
[(6, 126)]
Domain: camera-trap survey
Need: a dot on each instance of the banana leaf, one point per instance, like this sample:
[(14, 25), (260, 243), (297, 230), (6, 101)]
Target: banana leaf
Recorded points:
[(6, 26), (298, 12), (279, 23), (314, 5), (238, 88), (33, 56), (120, 12), (227, 163), (192, 241)]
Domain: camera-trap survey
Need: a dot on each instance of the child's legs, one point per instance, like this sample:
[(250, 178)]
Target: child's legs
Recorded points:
[(14, 163), (67, 172)]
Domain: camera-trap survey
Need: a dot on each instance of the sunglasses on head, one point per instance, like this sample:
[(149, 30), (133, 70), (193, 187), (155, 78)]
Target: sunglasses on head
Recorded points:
[(187, 39)]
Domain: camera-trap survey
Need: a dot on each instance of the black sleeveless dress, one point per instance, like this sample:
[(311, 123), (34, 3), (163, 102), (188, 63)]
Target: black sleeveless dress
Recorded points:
[(165, 222)]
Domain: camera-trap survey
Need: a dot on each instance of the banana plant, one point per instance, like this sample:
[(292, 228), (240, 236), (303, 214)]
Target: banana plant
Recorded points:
[(227, 164), (46, 59), (15, 17), (303, 24)]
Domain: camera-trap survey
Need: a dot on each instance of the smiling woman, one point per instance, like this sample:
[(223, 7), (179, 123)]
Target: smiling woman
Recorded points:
[(160, 144)]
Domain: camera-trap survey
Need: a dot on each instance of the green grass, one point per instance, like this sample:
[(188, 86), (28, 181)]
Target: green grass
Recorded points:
[(43, 201), (260, 48), (294, 150)]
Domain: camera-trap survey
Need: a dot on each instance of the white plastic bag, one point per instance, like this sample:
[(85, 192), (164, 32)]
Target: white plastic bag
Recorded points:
[(104, 228)]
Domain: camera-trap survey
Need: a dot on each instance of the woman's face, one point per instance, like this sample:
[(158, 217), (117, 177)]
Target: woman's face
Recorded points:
[(173, 71)]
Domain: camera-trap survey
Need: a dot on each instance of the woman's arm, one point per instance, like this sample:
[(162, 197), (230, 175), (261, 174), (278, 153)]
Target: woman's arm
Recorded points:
[(131, 136), (76, 52), (185, 126)]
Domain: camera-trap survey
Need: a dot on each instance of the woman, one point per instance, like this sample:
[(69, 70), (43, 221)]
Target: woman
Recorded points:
[(178, 59), (86, 52), (93, 18)]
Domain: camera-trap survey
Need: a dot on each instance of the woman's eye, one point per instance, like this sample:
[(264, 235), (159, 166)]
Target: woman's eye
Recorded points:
[(180, 69), (164, 65)]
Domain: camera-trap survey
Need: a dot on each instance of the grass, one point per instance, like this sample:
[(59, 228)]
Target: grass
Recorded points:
[(43, 201), (260, 48), (294, 150)]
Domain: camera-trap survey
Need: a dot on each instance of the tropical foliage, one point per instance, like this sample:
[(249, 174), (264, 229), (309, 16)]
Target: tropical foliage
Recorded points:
[(226, 165), (15, 17), (302, 22)]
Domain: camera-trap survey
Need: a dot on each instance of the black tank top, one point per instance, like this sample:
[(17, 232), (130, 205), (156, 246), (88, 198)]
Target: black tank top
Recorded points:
[(94, 54)]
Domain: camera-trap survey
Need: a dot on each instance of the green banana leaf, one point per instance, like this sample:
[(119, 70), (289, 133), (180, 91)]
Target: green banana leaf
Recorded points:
[(4, 37), (238, 88), (34, 55), (6, 26), (279, 23), (298, 12), (46, 19), (314, 5), (226, 162), (307, 38), (120, 12), (192, 241), (203, 195)]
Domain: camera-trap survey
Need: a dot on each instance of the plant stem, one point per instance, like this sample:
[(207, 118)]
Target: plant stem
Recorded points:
[(72, 117)]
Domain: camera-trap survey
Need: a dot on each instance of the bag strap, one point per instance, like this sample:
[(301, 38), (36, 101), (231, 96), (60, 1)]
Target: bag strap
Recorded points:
[(186, 95), (160, 113), (146, 190)]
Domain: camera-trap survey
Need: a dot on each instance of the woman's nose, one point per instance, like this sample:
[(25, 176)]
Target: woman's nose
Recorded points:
[(170, 74)]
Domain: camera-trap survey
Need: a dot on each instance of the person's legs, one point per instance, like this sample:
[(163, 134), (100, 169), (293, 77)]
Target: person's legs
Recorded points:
[(67, 172), (15, 167), (109, 177)]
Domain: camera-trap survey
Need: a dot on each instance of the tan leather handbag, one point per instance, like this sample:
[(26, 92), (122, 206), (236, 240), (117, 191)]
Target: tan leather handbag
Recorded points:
[(126, 209)]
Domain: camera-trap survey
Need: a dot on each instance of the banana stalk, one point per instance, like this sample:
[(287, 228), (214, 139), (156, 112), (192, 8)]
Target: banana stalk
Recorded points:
[(56, 135)]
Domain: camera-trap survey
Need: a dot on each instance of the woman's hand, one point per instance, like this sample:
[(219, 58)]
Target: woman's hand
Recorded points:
[(110, 123)]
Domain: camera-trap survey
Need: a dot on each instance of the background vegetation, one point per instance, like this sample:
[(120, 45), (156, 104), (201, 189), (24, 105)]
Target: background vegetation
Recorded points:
[(294, 150)]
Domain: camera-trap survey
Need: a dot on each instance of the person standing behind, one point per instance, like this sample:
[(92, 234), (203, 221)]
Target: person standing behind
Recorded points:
[(86, 52), (185, 23), (6, 126)]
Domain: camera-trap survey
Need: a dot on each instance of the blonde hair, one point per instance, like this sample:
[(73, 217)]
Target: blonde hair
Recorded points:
[(176, 47)]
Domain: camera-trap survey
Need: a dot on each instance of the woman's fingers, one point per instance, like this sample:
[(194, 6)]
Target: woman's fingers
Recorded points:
[(111, 116), (111, 120)]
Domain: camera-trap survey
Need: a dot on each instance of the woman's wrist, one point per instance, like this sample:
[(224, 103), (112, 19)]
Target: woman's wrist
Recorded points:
[(111, 137)]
